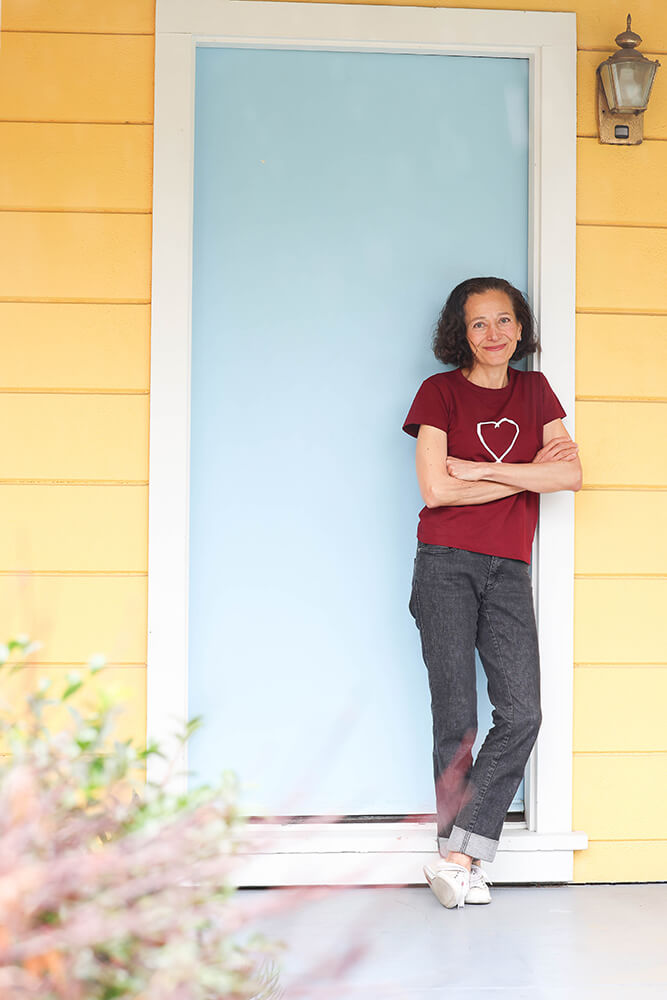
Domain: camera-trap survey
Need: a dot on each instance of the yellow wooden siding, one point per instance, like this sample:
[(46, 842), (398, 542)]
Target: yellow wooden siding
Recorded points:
[(622, 269), (603, 192), (82, 528), (617, 532), (77, 436), (618, 796), (111, 345), (619, 708), (623, 443), (78, 256), (621, 861), (621, 356), (621, 679), (620, 620), (71, 167), (76, 113), (105, 16), (76, 78), (77, 616)]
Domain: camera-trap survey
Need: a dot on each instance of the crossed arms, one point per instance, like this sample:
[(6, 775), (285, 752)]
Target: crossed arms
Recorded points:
[(446, 481)]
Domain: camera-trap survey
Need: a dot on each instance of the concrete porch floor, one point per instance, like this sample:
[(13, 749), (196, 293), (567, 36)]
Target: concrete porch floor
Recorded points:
[(566, 942)]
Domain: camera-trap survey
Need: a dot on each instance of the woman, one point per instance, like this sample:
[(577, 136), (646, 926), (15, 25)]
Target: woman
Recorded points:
[(489, 439)]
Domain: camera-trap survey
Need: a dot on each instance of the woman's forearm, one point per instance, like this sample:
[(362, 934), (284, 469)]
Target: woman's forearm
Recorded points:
[(452, 492), (541, 477)]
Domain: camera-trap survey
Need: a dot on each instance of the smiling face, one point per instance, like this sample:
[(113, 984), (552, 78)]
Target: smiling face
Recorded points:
[(492, 329)]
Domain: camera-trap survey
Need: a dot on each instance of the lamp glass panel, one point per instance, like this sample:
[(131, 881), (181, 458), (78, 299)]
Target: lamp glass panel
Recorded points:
[(608, 85), (632, 84)]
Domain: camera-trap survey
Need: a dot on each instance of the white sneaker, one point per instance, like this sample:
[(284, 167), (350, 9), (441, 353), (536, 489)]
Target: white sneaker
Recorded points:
[(449, 881), (479, 886)]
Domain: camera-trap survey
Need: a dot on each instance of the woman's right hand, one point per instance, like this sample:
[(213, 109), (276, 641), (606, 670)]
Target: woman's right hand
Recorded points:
[(559, 449)]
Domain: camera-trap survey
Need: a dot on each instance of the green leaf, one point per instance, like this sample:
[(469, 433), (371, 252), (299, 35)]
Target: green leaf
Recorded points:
[(71, 689), (74, 682)]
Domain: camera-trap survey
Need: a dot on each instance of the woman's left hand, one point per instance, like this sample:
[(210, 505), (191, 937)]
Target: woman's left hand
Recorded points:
[(470, 472)]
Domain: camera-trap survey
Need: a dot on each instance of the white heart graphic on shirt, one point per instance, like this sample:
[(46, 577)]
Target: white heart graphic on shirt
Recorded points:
[(495, 424)]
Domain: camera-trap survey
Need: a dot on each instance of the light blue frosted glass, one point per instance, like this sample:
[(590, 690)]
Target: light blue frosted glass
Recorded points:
[(338, 198)]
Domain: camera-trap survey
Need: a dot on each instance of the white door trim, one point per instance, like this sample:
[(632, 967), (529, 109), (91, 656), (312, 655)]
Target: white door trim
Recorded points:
[(548, 41)]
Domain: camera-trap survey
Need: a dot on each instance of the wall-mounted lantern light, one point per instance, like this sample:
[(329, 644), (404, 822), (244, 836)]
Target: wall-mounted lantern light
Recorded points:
[(624, 86)]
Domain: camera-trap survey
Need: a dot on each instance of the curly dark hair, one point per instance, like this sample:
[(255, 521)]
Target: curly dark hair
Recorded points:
[(450, 344)]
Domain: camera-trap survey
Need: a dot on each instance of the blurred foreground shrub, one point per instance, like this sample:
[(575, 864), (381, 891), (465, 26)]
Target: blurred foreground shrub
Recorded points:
[(111, 887)]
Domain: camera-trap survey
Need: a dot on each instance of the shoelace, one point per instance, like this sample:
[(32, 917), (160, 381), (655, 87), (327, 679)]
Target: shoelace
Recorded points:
[(480, 876)]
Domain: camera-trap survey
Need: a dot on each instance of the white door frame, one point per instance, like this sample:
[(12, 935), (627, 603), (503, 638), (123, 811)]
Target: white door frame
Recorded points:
[(366, 853)]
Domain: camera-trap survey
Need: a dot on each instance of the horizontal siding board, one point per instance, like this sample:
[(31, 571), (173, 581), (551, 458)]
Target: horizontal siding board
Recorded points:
[(655, 117), (75, 256), (76, 617), (76, 78), (620, 620), (74, 528), (622, 443), (607, 188), (126, 686), (79, 15), (622, 861), (76, 167), (62, 345), (74, 437), (621, 269), (615, 532), (619, 796), (621, 355), (620, 708)]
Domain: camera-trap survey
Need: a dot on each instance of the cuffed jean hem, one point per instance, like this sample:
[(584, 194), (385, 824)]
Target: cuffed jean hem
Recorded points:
[(466, 842)]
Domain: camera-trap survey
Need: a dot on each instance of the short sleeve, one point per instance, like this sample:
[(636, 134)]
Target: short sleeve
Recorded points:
[(428, 407), (551, 405)]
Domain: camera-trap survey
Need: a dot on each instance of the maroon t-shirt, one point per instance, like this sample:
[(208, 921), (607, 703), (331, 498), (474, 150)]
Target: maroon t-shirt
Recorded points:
[(486, 425)]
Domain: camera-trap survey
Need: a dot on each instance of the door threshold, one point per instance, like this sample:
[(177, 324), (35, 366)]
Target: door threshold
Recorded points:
[(389, 854)]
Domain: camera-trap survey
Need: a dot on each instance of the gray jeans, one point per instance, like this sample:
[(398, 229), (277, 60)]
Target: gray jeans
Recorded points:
[(461, 600)]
